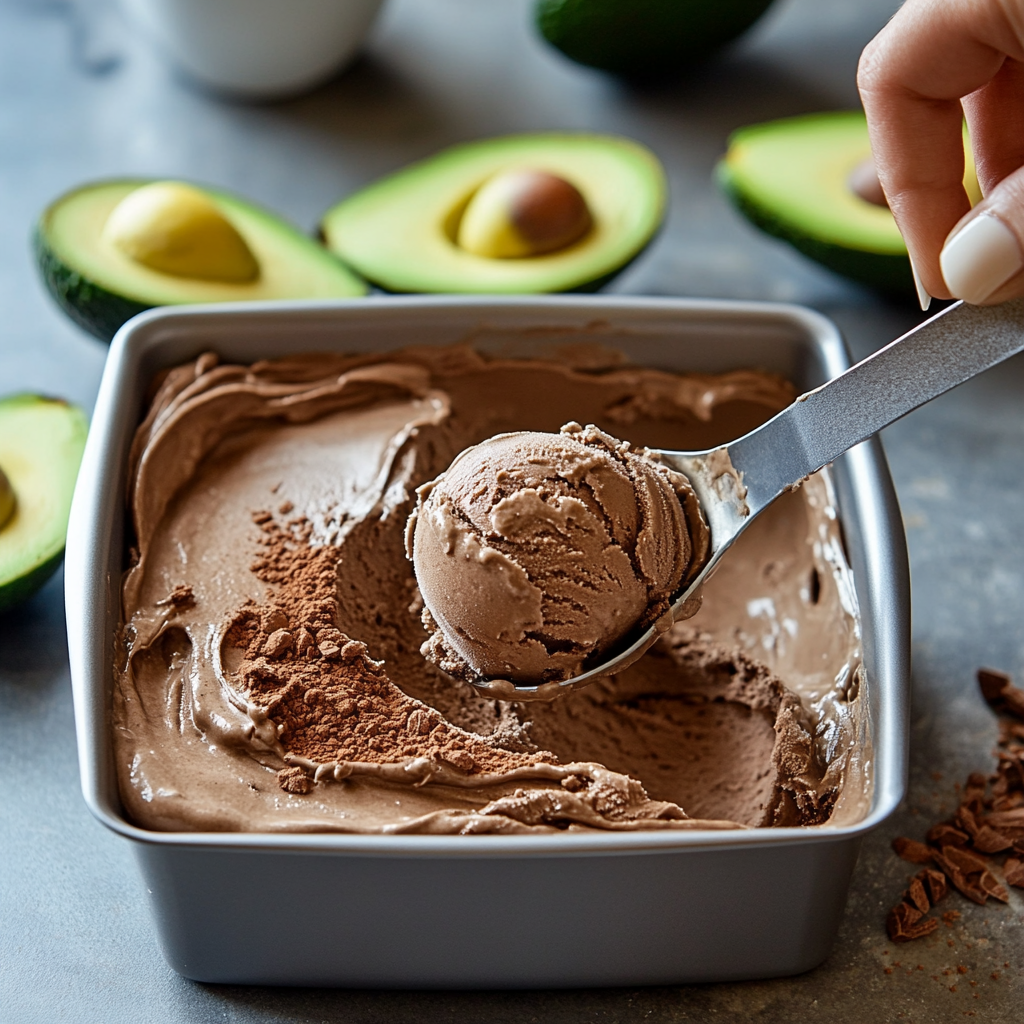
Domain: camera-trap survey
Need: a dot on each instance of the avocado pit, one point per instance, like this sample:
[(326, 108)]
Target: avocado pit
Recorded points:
[(7, 499), (863, 181), (521, 213), (176, 229)]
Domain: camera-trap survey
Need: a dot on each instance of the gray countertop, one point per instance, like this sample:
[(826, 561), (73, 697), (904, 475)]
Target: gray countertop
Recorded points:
[(81, 97)]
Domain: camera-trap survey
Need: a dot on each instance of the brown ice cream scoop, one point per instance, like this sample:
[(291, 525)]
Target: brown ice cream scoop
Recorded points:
[(733, 483), (536, 552)]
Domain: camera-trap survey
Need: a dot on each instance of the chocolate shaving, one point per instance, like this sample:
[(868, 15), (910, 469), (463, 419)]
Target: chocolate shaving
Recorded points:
[(1010, 819), (997, 688), (1009, 784), (962, 880), (974, 790), (983, 836), (946, 834), (1013, 872), (966, 820), (992, 682), (906, 923), (911, 850), (989, 884), (988, 840), (916, 896), (989, 821), (964, 860), (1010, 730), (935, 882)]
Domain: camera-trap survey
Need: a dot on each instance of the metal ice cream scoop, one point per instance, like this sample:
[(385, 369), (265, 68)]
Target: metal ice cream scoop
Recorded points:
[(738, 481)]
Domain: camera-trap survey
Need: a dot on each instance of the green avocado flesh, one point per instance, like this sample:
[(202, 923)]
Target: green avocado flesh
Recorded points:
[(400, 232), (41, 442), (790, 178), (100, 287), (644, 38)]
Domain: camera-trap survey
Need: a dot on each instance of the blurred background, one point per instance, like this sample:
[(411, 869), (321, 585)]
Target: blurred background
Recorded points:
[(85, 93)]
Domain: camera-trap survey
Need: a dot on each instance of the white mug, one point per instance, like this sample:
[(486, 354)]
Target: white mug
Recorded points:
[(261, 49)]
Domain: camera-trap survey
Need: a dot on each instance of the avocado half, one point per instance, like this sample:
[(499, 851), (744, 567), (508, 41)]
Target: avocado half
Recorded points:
[(644, 38), (791, 178), (400, 232), (41, 443), (100, 287)]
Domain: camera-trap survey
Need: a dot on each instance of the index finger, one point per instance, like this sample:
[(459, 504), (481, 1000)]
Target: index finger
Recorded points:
[(912, 77)]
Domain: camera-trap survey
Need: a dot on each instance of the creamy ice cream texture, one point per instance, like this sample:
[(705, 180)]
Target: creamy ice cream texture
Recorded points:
[(535, 552), (270, 676)]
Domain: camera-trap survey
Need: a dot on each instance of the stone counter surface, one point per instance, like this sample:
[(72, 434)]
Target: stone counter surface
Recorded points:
[(82, 98)]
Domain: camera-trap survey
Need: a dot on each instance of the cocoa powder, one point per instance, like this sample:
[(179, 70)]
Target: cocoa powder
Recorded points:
[(330, 699)]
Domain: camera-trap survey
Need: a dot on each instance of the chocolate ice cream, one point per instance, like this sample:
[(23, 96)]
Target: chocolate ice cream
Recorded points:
[(270, 675), (535, 552)]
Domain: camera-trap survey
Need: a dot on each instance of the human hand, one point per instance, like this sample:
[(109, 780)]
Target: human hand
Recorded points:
[(934, 63)]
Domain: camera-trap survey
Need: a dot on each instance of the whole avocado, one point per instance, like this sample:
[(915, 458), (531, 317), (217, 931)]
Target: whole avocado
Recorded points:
[(644, 38)]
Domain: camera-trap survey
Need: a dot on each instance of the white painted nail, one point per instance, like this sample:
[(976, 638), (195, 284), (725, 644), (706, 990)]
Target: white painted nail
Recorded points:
[(922, 293), (979, 258)]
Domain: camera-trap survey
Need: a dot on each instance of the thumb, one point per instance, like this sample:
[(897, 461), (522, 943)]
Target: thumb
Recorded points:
[(983, 258)]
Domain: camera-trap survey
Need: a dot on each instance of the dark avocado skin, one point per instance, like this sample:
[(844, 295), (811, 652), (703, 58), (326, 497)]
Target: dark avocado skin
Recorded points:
[(599, 282), (644, 39), (888, 274), (21, 589), (97, 310)]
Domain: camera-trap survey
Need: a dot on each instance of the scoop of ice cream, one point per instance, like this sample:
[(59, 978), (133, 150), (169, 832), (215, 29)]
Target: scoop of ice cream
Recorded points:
[(535, 552)]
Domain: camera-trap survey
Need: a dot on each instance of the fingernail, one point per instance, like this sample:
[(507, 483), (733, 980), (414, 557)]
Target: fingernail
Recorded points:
[(979, 258), (922, 293)]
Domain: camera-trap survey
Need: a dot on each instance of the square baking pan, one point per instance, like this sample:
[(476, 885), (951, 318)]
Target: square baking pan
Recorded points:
[(418, 911)]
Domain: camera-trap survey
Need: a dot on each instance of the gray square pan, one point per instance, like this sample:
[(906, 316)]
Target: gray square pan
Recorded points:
[(489, 911)]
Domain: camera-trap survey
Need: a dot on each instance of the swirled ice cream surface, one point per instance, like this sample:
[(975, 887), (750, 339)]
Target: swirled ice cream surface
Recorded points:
[(270, 675)]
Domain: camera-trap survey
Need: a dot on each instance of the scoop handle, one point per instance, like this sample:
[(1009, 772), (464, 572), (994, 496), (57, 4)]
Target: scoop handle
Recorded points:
[(936, 356)]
